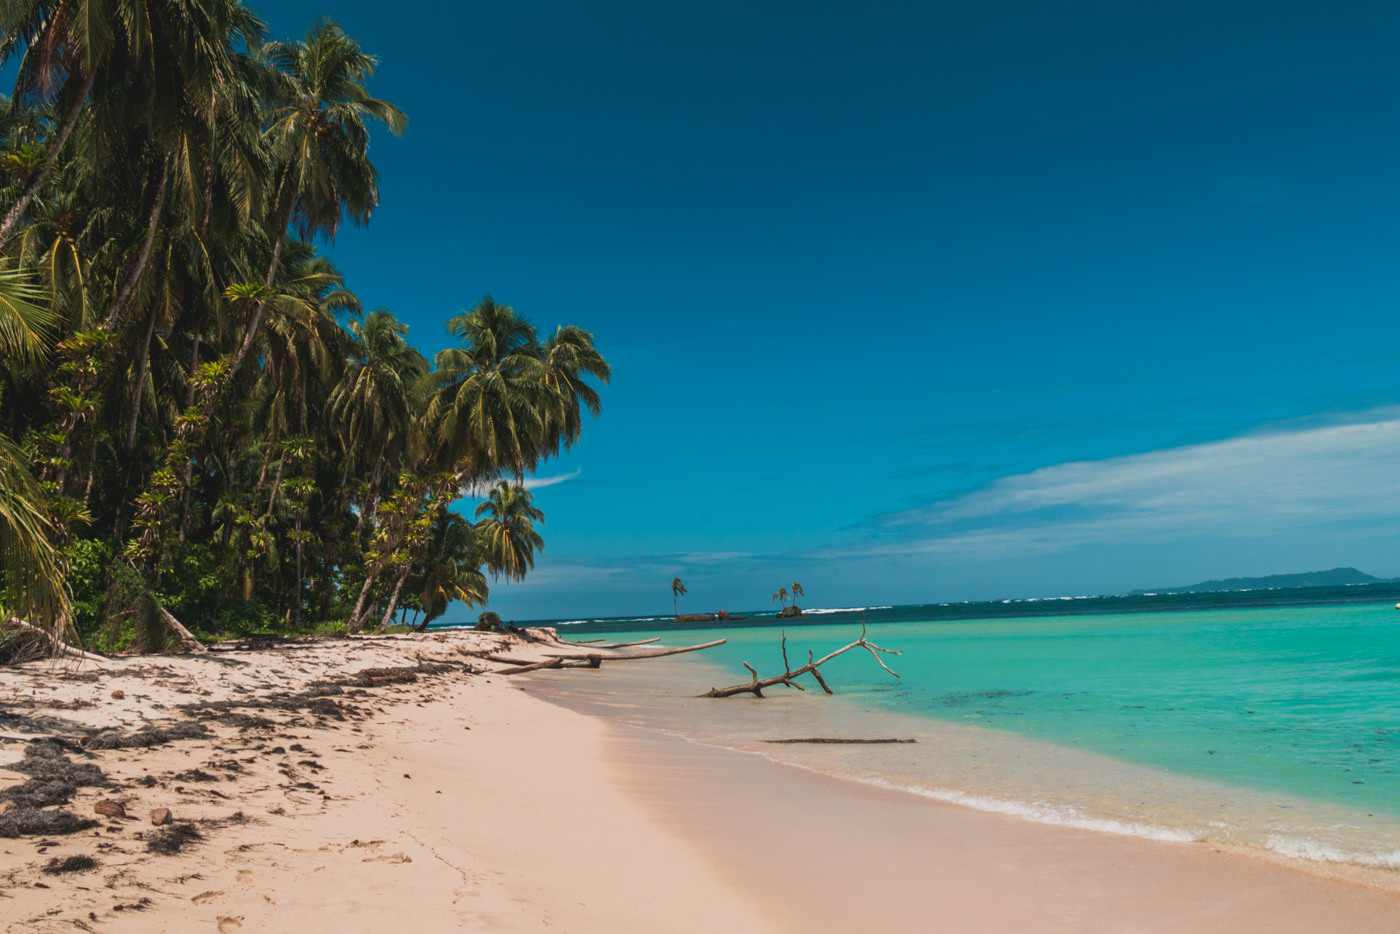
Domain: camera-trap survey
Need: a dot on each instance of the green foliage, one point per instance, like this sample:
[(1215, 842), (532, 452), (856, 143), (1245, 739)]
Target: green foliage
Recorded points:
[(89, 563), (489, 621), (202, 433)]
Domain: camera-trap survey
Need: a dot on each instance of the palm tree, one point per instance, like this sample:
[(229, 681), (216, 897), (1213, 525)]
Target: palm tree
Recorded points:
[(319, 140), (796, 592), (677, 591), (374, 405), (508, 537), (488, 405), (568, 356), (32, 581), (781, 596), (451, 569), (155, 57)]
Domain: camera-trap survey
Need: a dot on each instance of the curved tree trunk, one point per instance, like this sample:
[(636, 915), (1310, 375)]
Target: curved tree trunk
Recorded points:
[(36, 181), (394, 599)]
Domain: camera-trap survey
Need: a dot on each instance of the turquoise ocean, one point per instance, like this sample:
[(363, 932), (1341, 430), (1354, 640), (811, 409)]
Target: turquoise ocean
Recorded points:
[(1266, 719)]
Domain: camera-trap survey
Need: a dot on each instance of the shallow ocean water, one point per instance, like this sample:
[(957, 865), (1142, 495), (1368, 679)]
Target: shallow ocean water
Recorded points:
[(1274, 727)]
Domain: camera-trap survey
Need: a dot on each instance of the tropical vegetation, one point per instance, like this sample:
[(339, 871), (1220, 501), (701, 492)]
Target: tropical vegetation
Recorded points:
[(198, 422)]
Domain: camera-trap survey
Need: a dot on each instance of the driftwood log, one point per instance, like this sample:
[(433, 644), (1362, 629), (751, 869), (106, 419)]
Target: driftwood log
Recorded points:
[(787, 678), (596, 659), (837, 740), (186, 638), (59, 646)]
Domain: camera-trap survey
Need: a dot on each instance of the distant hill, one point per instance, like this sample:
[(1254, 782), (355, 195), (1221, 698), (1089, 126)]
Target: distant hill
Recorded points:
[(1337, 577)]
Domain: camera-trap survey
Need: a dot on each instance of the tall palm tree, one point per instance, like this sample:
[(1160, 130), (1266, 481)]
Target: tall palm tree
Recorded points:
[(677, 591), (319, 139), (508, 537)]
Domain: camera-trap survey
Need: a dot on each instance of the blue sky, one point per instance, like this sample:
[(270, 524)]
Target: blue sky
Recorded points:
[(916, 302)]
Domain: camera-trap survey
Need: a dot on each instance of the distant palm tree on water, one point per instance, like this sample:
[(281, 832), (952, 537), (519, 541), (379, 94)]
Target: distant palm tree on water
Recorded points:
[(677, 591), (782, 596)]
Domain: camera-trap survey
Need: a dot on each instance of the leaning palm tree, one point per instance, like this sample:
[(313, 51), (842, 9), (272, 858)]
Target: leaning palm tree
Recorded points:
[(797, 592), (507, 533), (677, 591), (780, 596)]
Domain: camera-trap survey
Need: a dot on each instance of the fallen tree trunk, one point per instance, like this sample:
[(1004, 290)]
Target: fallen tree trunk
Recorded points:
[(650, 653), (557, 661), (60, 647), (834, 739), (756, 686), (187, 640)]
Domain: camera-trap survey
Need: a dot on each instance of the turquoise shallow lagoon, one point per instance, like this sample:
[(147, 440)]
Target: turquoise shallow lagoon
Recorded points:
[(1274, 727)]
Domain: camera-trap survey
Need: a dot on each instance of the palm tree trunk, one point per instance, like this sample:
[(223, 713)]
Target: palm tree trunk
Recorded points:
[(129, 286), (349, 456), (143, 361), (352, 625), (12, 217), (189, 464), (393, 600), (279, 234), (296, 604), (276, 486)]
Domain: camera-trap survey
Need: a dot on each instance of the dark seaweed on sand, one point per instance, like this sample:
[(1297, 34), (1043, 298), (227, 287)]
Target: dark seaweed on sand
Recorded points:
[(28, 822), (45, 759), (148, 736), (171, 840), (58, 867)]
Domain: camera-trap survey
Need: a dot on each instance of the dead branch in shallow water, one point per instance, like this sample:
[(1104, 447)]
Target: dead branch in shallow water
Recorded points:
[(651, 653), (836, 739), (595, 659), (756, 686)]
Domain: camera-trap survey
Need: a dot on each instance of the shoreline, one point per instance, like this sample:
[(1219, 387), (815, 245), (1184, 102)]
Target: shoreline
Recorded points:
[(469, 803)]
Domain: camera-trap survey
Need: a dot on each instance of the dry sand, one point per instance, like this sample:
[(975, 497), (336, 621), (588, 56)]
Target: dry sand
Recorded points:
[(455, 801)]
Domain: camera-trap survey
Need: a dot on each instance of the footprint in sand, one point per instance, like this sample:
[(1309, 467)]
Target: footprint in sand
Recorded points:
[(203, 897), (245, 877), (229, 923)]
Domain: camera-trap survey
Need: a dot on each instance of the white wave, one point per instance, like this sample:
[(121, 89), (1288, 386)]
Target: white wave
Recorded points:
[(1045, 814), (1312, 850), (843, 609)]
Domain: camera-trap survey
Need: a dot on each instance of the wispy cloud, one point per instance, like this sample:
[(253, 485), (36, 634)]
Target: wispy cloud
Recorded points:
[(535, 483), (1286, 482), (483, 490)]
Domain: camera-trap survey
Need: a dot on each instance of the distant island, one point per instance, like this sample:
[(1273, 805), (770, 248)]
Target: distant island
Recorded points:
[(1337, 577)]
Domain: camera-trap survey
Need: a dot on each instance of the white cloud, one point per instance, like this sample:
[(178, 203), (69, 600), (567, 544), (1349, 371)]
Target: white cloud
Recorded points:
[(1282, 483), (535, 483), (483, 490)]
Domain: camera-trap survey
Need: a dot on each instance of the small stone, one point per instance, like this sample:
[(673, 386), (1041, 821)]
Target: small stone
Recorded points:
[(8, 806), (118, 695), (161, 816), (109, 808)]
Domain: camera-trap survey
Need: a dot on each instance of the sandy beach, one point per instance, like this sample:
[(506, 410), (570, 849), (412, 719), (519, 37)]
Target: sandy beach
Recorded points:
[(355, 785)]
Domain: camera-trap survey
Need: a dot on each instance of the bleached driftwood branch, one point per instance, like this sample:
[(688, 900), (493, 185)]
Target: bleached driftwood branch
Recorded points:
[(756, 686), (60, 647), (596, 659)]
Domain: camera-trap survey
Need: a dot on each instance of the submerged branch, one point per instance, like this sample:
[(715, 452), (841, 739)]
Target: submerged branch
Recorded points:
[(787, 678)]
